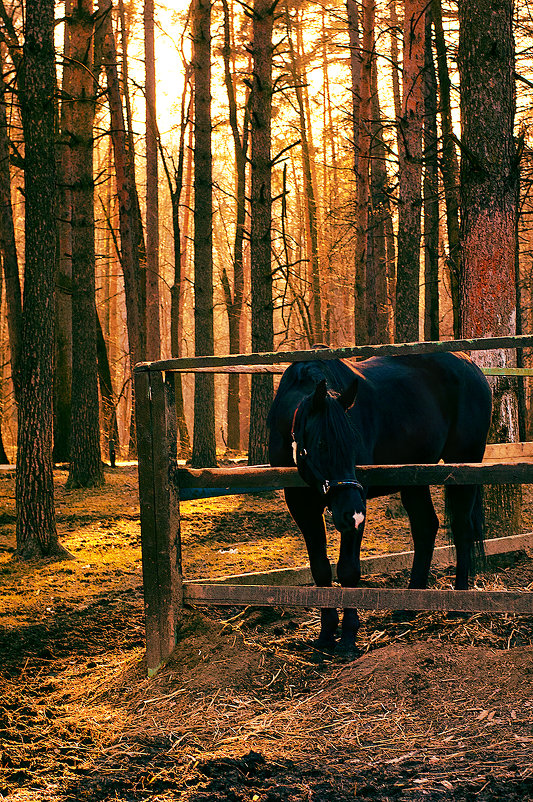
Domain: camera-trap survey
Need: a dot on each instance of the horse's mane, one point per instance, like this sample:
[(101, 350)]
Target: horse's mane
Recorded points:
[(333, 427), (304, 376)]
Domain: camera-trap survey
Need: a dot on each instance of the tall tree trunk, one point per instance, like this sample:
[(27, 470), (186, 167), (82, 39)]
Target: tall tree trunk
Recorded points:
[(431, 193), (261, 225), (355, 73), (8, 249), (329, 187), (204, 446), (123, 32), (153, 328), (175, 186), (395, 58), (123, 35), (395, 70), (106, 387), (489, 193), (448, 162), (128, 223), (380, 228), (36, 524), (363, 175), (3, 456), (310, 206), (410, 174), (235, 297), (86, 468), (63, 295)]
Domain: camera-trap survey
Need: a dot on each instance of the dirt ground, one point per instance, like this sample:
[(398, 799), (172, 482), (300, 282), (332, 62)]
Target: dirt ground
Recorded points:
[(247, 710)]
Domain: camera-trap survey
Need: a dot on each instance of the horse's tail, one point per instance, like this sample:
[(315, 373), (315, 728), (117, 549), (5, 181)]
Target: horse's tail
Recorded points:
[(477, 518)]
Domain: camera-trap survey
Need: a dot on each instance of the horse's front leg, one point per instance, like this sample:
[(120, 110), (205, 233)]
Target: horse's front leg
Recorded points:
[(307, 509), (349, 574)]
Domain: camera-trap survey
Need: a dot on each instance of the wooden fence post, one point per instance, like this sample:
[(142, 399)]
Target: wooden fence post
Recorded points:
[(160, 519)]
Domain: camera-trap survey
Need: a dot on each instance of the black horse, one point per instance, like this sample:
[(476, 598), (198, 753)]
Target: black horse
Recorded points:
[(329, 416)]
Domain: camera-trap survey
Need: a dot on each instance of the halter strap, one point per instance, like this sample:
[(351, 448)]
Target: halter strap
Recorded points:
[(325, 485), (294, 422)]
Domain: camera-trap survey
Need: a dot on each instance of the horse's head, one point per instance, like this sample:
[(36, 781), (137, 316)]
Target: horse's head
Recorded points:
[(325, 449)]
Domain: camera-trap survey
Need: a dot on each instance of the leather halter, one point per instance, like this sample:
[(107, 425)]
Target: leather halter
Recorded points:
[(324, 484)]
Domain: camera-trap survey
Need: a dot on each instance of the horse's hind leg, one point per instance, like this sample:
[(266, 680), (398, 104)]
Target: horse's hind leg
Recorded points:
[(466, 522), (424, 525), (308, 512)]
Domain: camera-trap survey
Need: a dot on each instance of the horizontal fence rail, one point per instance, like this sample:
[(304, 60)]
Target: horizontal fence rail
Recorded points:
[(361, 351), (443, 557), (494, 601), (245, 478)]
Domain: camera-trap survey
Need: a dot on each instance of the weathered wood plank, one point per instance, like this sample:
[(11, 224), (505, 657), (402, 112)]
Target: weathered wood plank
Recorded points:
[(361, 351), (443, 556), (362, 598), (369, 475), (508, 452), (145, 448), (278, 369), (160, 527), (507, 371)]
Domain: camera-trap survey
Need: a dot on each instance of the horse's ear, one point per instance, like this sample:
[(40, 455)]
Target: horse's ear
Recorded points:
[(348, 396), (319, 396)]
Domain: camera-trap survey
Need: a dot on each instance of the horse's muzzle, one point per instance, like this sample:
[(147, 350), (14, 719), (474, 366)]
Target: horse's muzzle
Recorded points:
[(348, 510)]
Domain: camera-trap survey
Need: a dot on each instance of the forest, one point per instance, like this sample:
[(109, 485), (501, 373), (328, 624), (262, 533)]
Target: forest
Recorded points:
[(233, 178)]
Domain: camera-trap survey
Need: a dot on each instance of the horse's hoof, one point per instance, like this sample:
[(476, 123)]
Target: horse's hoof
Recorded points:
[(325, 643), (347, 651), (403, 616), (457, 615)]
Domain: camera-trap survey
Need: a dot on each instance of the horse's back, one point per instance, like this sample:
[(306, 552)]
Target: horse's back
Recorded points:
[(438, 405), (408, 408)]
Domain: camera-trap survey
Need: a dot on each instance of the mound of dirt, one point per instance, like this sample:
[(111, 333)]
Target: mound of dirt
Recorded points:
[(210, 655)]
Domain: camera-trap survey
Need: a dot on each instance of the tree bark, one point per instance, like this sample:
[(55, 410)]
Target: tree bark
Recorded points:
[(36, 524), (410, 173), (299, 80), (106, 387), (63, 296), (175, 186), (380, 229), (235, 297), (431, 193), (448, 162), (489, 195), (363, 176), (8, 249), (128, 224), (395, 58), (86, 469), (395, 74), (262, 389), (355, 73), (3, 456), (204, 445), (153, 328)]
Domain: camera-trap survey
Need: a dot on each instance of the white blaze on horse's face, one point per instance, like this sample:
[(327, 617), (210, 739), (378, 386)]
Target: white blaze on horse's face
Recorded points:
[(294, 451), (358, 518)]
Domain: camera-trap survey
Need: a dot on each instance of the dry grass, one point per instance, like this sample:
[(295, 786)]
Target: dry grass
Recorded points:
[(436, 707)]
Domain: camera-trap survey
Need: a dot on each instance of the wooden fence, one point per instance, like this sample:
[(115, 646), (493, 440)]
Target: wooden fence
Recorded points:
[(162, 484)]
